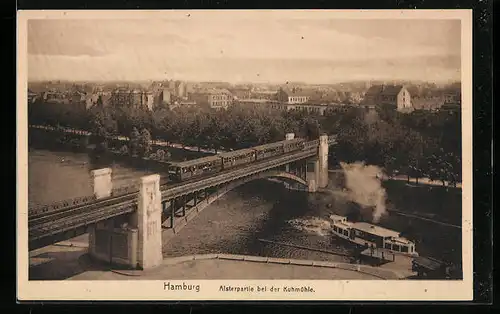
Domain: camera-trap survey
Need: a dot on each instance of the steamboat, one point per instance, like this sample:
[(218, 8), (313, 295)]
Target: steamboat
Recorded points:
[(371, 236)]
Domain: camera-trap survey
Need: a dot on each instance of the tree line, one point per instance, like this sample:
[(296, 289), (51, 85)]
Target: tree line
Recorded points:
[(419, 144)]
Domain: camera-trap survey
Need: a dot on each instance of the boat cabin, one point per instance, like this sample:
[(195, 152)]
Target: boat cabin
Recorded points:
[(368, 235), (400, 244), (383, 238), (341, 227)]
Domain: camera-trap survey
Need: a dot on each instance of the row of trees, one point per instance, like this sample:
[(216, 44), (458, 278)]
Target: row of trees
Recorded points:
[(420, 144), (140, 145), (234, 128)]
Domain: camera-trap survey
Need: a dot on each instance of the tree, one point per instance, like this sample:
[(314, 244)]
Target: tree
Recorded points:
[(415, 146), (144, 147), (123, 150), (161, 155), (102, 126), (134, 142), (311, 128)]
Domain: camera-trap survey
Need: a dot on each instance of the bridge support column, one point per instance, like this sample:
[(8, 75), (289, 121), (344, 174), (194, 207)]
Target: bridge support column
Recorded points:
[(323, 161), (100, 235), (113, 245), (312, 175), (149, 248), (288, 137), (102, 183)]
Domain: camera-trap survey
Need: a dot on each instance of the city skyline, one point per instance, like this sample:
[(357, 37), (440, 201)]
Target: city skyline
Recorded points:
[(262, 49)]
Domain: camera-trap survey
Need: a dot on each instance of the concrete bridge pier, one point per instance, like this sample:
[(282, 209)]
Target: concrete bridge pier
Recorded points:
[(317, 167), (312, 175), (102, 183), (147, 219), (98, 235), (288, 137), (323, 161), (135, 241)]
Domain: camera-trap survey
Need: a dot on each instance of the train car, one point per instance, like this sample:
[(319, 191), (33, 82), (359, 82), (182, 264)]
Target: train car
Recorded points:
[(269, 150), (237, 157), (181, 171), (293, 145)]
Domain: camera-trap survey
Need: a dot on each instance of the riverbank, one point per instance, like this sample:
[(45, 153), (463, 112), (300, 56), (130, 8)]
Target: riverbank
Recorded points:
[(413, 181), (121, 139), (242, 267)]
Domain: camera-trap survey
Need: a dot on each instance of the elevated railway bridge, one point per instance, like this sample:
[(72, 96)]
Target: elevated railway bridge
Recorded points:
[(128, 225)]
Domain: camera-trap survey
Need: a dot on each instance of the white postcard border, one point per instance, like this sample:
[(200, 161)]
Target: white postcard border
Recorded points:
[(350, 290)]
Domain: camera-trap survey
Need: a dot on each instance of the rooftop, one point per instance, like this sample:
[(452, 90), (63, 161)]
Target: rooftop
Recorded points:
[(218, 91), (265, 92), (256, 100), (309, 104), (386, 90), (376, 230), (337, 217)]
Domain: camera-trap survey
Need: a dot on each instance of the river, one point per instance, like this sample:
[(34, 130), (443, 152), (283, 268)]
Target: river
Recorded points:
[(265, 210), (56, 176)]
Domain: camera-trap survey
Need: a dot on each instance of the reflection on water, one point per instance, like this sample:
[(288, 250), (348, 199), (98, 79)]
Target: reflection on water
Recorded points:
[(56, 176), (265, 210)]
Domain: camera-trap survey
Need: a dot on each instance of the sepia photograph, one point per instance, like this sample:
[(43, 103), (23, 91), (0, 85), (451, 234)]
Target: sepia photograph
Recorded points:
[(251, 154)]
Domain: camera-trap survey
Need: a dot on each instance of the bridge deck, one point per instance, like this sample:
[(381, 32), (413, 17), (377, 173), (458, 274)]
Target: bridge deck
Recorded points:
[(62, 221)]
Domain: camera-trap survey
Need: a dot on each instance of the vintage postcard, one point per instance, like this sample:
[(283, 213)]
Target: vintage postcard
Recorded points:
[(245, 155)]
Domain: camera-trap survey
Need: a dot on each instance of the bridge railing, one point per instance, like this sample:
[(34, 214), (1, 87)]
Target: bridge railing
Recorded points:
[(61, 205), (39, 210), (125, 189), (311, 144), (79, 218)]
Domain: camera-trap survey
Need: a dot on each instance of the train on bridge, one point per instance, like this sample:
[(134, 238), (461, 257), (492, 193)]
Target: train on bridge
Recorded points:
[(181, 171)]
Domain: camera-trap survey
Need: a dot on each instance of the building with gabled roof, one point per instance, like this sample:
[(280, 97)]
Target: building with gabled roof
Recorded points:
[(396, 96), (215, 98)]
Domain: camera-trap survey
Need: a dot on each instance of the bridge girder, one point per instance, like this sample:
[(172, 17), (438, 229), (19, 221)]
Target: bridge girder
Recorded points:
[(254, 172)]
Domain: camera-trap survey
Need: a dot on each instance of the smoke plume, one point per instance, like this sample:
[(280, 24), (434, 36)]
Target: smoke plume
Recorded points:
[(364, 187)]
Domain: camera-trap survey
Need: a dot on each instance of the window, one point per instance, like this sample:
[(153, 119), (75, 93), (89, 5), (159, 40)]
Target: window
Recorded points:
[(396, 247), (335, 228), (404, 249), (346, 232), (387, 246)]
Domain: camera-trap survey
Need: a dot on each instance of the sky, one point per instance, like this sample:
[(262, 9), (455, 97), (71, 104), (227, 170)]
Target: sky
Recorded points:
[(271, 49)]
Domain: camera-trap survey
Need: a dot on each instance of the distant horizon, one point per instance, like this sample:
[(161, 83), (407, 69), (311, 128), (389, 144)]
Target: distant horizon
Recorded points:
[(443, 82), (240, 49)]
